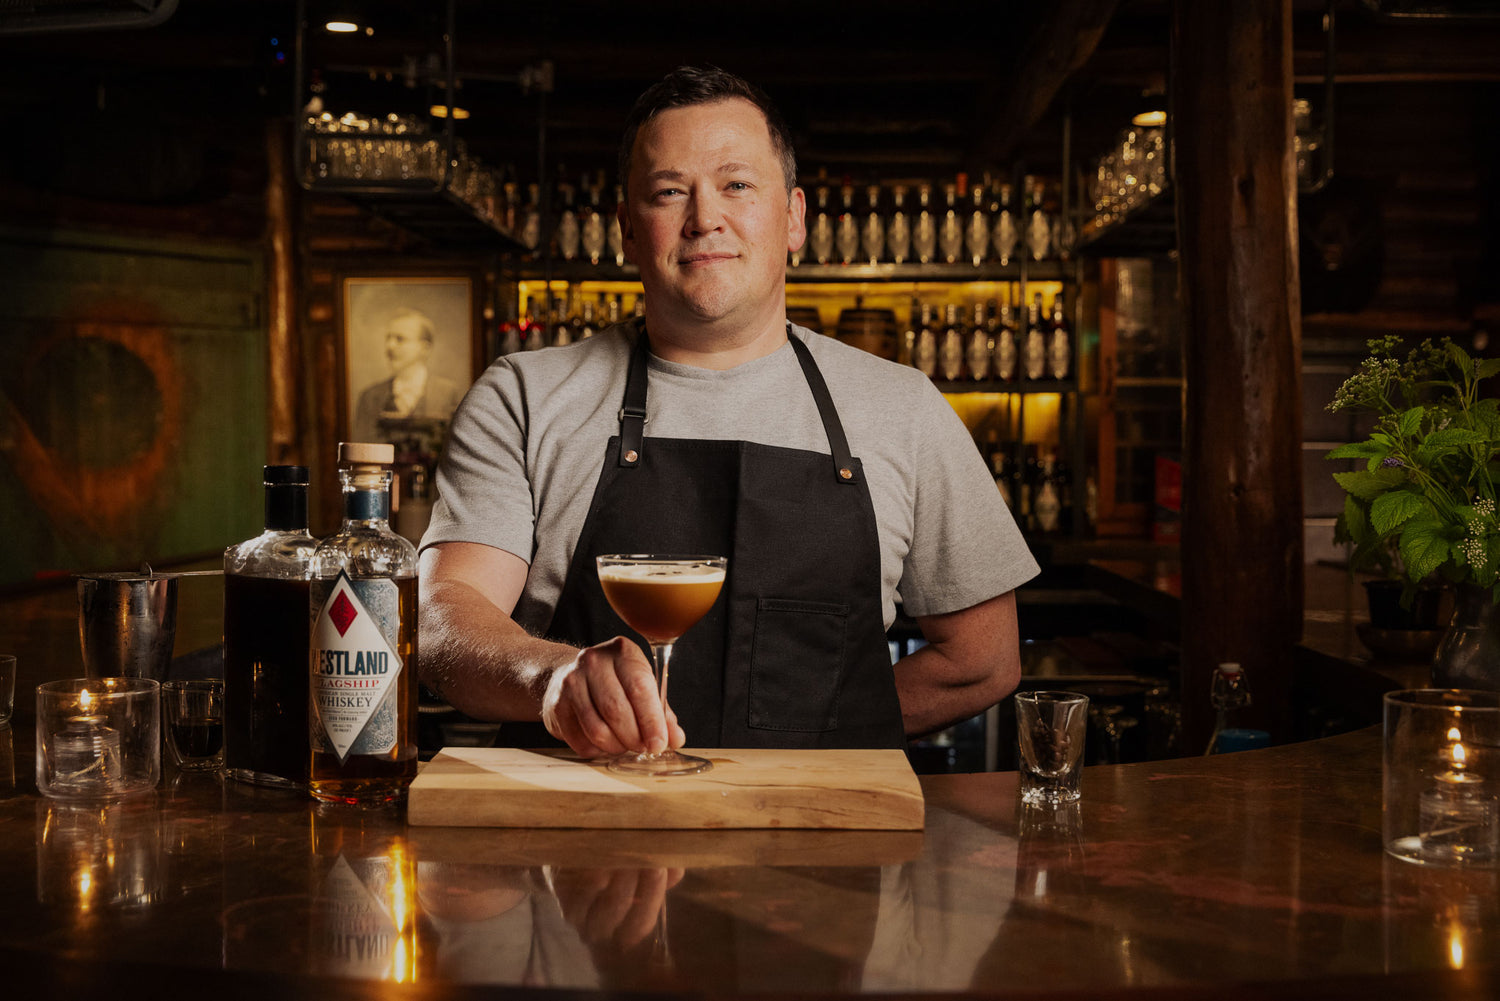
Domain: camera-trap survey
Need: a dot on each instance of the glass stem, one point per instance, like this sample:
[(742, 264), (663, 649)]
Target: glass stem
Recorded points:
[(661, 653)]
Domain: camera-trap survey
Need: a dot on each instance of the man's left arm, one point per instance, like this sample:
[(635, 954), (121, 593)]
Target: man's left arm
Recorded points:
[(971, 661)]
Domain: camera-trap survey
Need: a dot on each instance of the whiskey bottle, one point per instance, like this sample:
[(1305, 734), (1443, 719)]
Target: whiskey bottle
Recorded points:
[(1000, 469), (977, 233), (363, 648), (924, 233), (586, 327), (1004, 234), (906, 347), (569, 233), (592, 227), (846, 230), (822, 230), (1059, 343), (872, 237), (612, 311), (1047, 503), (508, 333), (925, 353), (614, 238), (980, 347), (1006, 352), (951, 344), (898, 231), (1034, 354), (1038, 221), (562, 330), (950, 229), (266, 582), (531, 225)]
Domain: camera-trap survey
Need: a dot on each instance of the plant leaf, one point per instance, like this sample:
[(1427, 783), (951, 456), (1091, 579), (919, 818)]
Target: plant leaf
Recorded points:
[(1489, 367), (1367, 484), (1453, 438), (1392, 510), (1360, 450), (1423, 549), (1460, 357), (1410, 422), (1354, 522)]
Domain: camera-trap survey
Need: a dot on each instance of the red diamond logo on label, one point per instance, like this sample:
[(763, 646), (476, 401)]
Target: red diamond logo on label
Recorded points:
[(342, 613)]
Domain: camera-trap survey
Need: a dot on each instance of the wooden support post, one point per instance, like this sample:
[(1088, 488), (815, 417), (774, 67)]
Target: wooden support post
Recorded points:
[(1231, 93), (283, 354)]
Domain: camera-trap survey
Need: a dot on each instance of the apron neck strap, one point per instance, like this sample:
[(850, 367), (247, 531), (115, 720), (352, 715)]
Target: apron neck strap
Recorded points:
[(844, 466), (633, 412)]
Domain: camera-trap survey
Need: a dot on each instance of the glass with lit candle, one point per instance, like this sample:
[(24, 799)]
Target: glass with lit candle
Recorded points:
[(1442, 777), (97, 738)]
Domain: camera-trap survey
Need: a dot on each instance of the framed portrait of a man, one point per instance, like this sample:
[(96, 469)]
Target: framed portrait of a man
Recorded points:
[(409, 357)]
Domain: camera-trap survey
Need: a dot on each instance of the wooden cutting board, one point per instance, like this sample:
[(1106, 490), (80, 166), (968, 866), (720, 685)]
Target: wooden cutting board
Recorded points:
[(759, 788)]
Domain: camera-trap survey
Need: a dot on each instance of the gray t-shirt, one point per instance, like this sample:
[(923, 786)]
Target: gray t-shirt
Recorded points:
[(527, 447)]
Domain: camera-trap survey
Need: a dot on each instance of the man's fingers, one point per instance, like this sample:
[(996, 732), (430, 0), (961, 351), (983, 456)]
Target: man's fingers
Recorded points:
[(605, 702)]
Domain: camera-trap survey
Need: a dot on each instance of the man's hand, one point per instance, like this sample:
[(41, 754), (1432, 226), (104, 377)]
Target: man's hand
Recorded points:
[(605, 702), (615, 908)]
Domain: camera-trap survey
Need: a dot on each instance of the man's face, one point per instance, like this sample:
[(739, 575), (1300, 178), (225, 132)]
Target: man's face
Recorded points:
[(404, 343), (707, 218)]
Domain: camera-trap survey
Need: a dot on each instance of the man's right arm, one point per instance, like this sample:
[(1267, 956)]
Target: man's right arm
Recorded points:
[(600, 700)]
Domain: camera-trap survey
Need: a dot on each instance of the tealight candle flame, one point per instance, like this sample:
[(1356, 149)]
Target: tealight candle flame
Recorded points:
[(1460, 756), (86, 700)]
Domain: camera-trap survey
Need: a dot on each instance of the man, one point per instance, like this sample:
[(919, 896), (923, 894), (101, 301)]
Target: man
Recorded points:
[(828, 477), (413, 390)]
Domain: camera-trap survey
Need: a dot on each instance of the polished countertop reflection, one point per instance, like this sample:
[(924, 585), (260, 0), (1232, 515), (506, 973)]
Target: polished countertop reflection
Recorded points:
[(1258, 873)]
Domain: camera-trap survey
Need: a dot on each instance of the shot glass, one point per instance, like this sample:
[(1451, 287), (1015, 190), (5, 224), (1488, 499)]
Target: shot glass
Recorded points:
[(194, 723), (1441, 803), (1050, 730), (97, 738), (7, 687)]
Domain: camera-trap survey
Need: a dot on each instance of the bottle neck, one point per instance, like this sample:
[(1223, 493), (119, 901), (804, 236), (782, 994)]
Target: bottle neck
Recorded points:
[(286, 507), (367, 494)]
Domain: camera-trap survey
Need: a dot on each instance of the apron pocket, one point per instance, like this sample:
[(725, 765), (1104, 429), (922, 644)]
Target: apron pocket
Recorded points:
[(797, 664)]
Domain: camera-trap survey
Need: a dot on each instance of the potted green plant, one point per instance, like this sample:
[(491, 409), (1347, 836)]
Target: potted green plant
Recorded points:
[(1425, 499)]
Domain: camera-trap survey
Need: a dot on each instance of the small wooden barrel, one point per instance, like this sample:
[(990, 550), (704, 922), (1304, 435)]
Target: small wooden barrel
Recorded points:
[(872, 330), (805, 316)]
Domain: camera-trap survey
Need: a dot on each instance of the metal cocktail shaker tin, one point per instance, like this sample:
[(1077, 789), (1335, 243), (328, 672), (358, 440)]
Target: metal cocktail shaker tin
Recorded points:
[(127, 624)]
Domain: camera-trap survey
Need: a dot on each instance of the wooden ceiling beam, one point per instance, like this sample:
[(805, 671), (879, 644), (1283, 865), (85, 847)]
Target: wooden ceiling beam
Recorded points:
[(1016, 99)]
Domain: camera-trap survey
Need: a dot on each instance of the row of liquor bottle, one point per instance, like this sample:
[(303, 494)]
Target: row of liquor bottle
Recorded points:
[(984, 342), (1038, 486), (982, 223), (559, 320), (987, 222), (978, 343)]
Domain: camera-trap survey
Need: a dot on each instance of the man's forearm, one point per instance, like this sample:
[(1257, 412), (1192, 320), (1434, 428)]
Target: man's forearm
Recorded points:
[(971, 661), (933, 696), (479, 660)]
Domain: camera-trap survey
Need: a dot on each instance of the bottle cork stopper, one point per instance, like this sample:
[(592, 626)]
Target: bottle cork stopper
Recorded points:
[(366, 453)]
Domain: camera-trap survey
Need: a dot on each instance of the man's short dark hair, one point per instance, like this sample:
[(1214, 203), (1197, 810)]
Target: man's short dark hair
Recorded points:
[(691, 85)]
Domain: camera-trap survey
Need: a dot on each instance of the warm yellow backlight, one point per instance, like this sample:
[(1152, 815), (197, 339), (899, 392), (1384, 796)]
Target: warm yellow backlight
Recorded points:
[(342, 27), (441, 111), (1150, 119)]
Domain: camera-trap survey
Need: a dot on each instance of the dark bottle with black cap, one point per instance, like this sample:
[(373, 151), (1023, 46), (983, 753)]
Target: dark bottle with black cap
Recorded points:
[(266, 582)]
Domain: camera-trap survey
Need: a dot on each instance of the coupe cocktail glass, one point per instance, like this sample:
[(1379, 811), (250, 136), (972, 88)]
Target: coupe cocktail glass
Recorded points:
[(661, 597)]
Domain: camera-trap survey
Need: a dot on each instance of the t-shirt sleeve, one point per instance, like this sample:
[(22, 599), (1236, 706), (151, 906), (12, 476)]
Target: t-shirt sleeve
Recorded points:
[(484, 493), (965, 545)]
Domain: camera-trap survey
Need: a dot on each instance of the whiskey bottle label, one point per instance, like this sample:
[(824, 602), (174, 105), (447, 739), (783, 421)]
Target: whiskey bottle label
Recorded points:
[(355, 666)]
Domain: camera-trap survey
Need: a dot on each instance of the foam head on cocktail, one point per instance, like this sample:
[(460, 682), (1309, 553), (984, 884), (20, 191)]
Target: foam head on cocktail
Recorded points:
[(661, 601)]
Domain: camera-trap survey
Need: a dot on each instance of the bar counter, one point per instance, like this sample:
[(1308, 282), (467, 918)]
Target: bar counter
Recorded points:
[(1254, 874)]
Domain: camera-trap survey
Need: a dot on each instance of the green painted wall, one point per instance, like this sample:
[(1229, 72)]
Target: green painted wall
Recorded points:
[(132, 400)]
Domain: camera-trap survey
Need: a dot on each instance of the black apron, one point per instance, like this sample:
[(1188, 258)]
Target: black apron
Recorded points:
[(793, 653)]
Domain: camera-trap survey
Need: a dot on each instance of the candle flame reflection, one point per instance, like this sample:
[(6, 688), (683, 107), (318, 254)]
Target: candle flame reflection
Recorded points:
[(1456, 948)]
